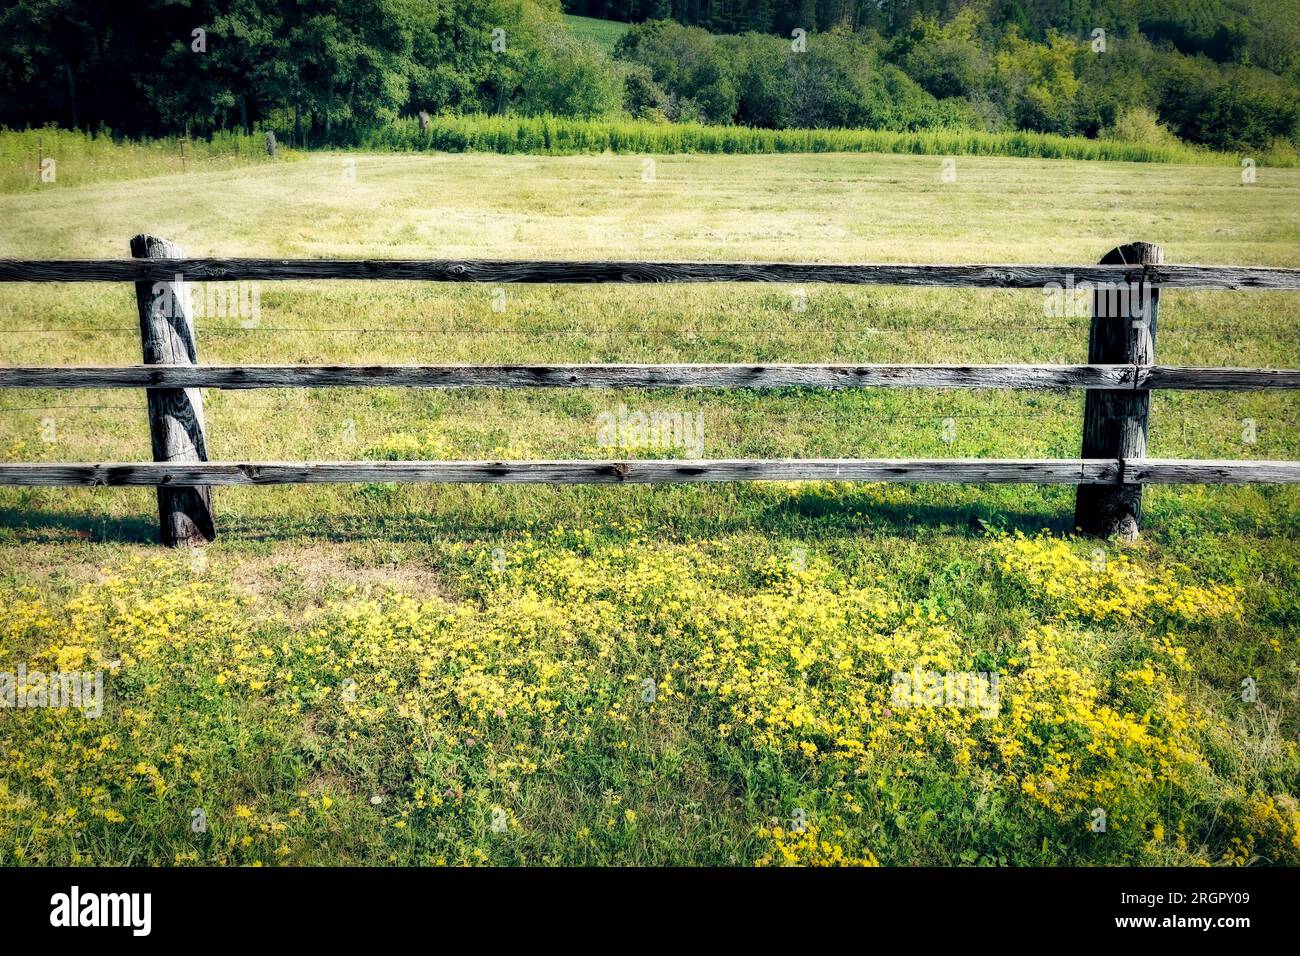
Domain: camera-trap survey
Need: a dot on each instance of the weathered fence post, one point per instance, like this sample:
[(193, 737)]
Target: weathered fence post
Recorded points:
[(271, 148), (1115, 421), (175, 414)]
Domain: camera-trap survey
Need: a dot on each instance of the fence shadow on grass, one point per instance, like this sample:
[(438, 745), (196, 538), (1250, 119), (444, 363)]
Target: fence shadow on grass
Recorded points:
[(54, 525), (808, 515)]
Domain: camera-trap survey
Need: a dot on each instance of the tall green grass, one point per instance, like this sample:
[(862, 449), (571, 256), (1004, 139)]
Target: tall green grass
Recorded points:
[(559, 136), (82, 157)]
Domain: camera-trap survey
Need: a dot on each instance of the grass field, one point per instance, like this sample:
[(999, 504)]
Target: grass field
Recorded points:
[(49, 159), (46, 159), (604, 33), (455, 675)]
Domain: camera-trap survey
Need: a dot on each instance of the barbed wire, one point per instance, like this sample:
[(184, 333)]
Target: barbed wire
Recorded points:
[(875, 414), (59, 408), (493, 330), (1243, 330)]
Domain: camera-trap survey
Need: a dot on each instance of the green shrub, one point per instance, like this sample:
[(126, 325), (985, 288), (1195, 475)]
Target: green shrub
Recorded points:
[(1140, 124)]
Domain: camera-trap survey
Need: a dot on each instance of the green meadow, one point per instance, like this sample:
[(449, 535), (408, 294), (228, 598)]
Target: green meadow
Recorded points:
[(605, 33), (458, 674)]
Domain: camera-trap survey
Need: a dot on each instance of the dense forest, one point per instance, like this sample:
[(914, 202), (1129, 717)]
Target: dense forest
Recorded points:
[(1220, 73), (1221, 29)]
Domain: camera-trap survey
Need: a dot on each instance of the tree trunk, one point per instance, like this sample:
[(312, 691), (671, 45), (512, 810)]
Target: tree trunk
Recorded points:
[(72, 95)]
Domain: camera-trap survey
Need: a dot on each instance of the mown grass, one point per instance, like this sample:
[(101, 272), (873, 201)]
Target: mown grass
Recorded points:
[(553, 606)]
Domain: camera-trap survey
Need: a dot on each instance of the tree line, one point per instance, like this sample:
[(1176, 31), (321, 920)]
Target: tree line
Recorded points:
[(1222, 29), (965, 71), (1223, 73)]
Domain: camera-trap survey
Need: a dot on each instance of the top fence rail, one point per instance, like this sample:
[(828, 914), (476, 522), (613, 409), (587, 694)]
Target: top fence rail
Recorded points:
[(497, 270)]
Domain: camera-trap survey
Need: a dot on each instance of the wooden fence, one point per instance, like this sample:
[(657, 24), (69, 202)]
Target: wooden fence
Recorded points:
[(1118, 379)]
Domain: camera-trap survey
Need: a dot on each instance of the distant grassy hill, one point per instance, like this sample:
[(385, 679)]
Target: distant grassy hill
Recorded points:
[(604, 32)]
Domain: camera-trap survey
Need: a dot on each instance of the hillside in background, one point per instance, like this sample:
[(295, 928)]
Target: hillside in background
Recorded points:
[(1263, 31), (1222, 74), (604, 33)]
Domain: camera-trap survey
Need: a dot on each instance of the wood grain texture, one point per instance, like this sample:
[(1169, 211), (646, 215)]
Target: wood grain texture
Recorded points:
[(942, 470), (501, 271), (176, 428), (651, 376), (832, 376), (1184, 377), (1186, 471), (1123, 330)]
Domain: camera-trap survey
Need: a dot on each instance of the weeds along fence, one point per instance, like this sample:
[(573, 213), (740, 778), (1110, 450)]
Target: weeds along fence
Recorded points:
[(556, 135), (1110, 472)]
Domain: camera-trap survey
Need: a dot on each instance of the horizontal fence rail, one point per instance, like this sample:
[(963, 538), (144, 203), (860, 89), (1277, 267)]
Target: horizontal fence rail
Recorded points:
[(492, 270), (1061, 471), (1117, 381), (652, 376)]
